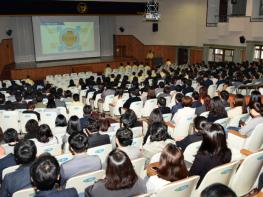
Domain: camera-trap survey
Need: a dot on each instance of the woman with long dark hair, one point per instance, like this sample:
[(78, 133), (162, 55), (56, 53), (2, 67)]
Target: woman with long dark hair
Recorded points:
[(217, 110), (239, 106), (121, 179), (171, 168), (158, 139), (212, 152)]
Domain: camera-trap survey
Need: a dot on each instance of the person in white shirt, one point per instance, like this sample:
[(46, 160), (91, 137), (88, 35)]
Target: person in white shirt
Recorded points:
[(171, 167), (187, 110)]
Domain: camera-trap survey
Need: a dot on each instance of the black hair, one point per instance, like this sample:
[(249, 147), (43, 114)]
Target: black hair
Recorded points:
[(25, 152), (78, 142), (44, 172), (195, 95), (61, 121), (158, 132), (73, 125), (224, 95), (129, 118), (10, 135), (44, 133), (124, 136), (218, 190), (87, 109), (75, 97)]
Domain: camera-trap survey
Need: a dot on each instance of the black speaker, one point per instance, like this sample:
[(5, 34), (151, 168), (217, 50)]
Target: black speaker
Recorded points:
[(234, 1), (242, 39), (155, 27), (121, 29)]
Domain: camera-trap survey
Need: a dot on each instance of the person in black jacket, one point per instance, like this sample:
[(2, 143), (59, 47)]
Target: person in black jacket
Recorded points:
[(161, 102), (213, 151), (199, 124), (45, 175), (134, 96)]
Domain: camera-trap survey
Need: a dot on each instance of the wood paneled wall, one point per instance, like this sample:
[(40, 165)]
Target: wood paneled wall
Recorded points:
[(196, 55), (136, 49), (6, 53)]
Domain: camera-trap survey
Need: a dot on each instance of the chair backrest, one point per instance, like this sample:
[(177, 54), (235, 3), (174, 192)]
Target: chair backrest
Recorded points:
[(39, 110), (245, 177), (148, 107), (137, 142), (231, 89), (63, 111), (234, 122), (255, 140), (81, 182), (155, 158), (182, 188), (9, 119), (137, 131), (54, 149), (167, 117), (182, 127), (220, 174), (168, 100), (48, 118), (115, 110), (101, 151), (75, 110), (107, 101), (223, 121), (205, 114), (24, 118), (64, 158), (89, 96), (211, 90), (98, 96), (191, 151), (9, 170), (137, 108), (29, 192), (138, 165)]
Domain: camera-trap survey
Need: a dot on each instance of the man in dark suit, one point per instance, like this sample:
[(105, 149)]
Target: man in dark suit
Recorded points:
[(44, 174), (134, 97), (196, 102), (94, 137), (207, 82), (25, 153), (81, 162), (84, 122)]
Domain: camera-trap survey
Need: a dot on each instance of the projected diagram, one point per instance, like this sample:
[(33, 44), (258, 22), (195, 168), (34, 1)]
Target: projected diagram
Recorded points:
[(67, 37)]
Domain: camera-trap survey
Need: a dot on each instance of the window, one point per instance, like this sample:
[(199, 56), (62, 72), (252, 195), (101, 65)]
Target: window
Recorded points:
[(220, 55), (261, 8), (258, 52)]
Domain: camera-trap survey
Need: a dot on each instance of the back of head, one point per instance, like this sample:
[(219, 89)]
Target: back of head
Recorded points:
[(103, 124), (78, 142), (93, 126), (44, 133), (87, 109), (39, 97), (214, 140), (202, 92), (73, 125), (218, 190), (172, 166), (61, 121), (158, 132), (155, 116), (75, 97), (2, 98), (10, 135), (161, 101), (31, 105), (44, 172), (187, 101), (25, 152), (217, 107), (256, 108), (18, 97), (195, 95), (179, 97), (239, 100), (124, 136), (120, 173), (129, 118), (32, 126), (167, 89), (200, 123), (224, 95), (161, 84)]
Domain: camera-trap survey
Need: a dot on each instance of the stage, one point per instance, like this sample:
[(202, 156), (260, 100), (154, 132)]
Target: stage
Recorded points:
[(39, 70)]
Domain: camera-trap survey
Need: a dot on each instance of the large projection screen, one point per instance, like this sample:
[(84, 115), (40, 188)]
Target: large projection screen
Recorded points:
[(66, 37)]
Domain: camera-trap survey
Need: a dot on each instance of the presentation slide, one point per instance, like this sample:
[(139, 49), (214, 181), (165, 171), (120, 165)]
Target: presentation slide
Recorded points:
[(66, 38)]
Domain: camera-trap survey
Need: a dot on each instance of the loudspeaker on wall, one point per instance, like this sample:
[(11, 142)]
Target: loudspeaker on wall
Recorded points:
[(242, 39), (155, 27)]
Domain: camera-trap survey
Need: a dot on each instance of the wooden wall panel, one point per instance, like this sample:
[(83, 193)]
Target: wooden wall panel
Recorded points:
[(136, 49), (6, 53), (196, 55)]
